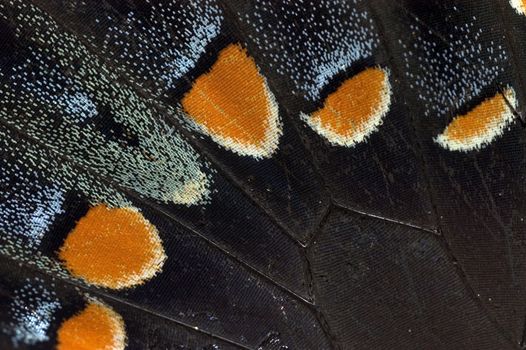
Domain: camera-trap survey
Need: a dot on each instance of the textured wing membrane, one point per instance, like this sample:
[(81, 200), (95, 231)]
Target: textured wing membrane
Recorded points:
[(231, 174)]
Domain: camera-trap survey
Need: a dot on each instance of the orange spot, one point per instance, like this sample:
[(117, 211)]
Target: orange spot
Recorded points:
[(355, 110), (97, 327), (113, 247), (519, 6), (479, 126), (233, 104)]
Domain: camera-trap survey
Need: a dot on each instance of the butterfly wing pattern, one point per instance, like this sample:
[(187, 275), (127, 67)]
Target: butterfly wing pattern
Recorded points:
[(262, 174)]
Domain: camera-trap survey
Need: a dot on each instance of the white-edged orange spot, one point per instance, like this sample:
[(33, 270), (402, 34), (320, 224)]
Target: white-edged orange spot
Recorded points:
[(356, 109), (113, 247), (97, 327), (232, 104), (481, 125), (519, 6)]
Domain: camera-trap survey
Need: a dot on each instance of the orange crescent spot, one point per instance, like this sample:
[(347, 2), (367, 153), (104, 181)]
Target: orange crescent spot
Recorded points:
[(356, 109), (97, 327), (232, 104), (113, 247), (519, 6), (481, 125)]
